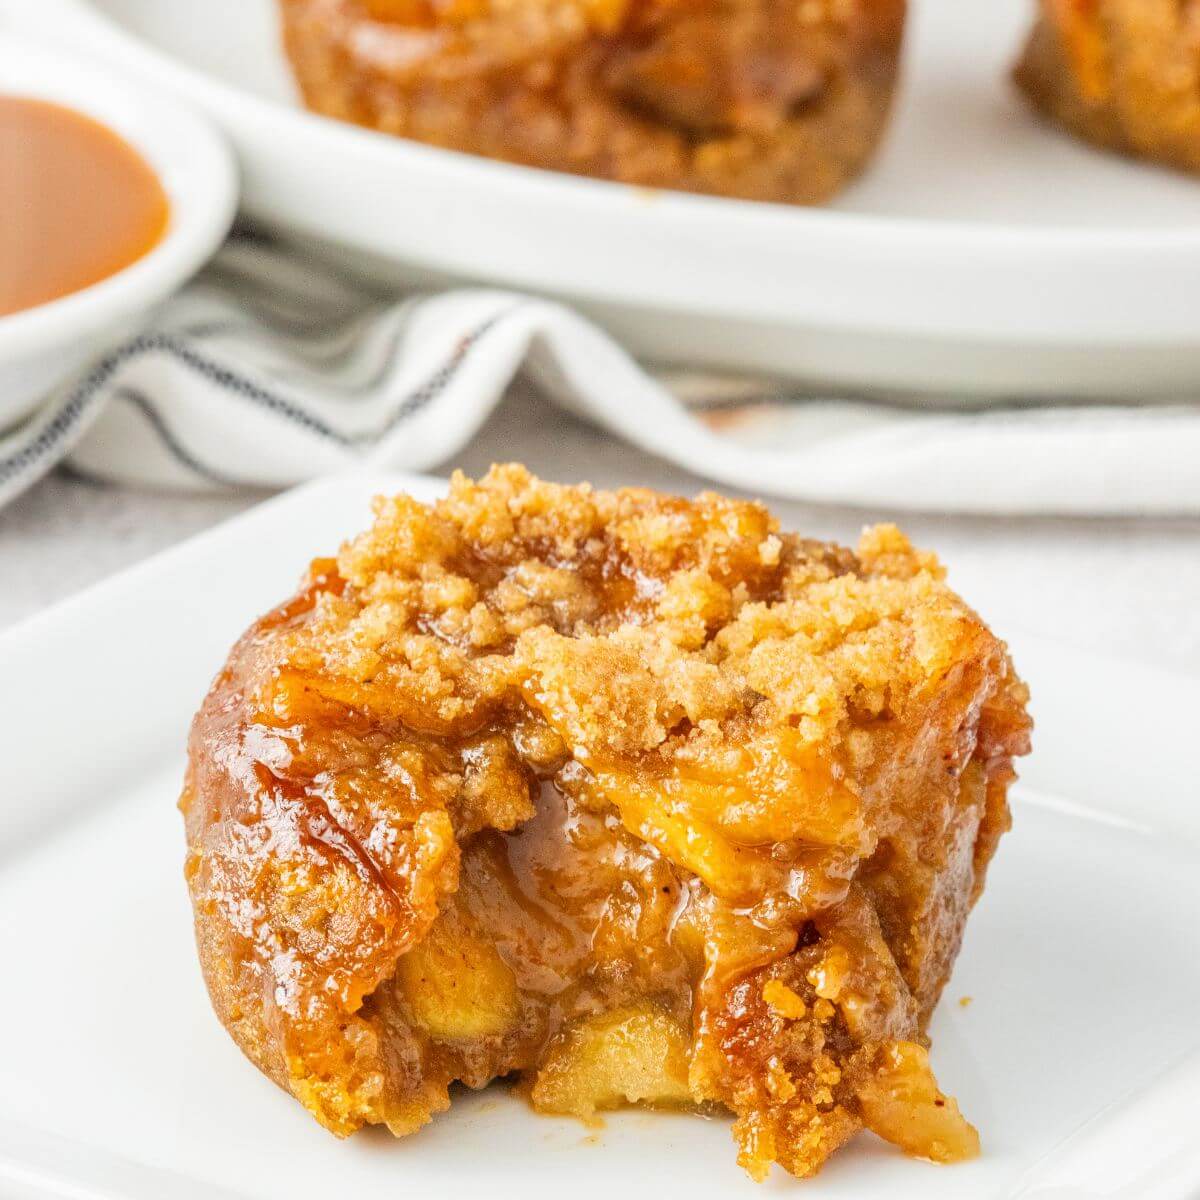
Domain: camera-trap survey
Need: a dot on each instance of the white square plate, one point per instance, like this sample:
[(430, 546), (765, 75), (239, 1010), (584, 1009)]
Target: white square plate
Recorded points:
[(1077, 1057)]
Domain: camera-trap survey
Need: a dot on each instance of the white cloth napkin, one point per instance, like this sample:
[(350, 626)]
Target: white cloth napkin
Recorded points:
[(268, 370)]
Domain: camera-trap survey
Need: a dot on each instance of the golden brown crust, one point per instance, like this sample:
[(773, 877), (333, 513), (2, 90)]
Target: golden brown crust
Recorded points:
[(762, 99), (637, 796), (1123, 74)]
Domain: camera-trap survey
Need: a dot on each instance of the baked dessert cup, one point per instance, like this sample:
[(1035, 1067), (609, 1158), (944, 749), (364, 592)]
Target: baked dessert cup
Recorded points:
[(1122, 74), (635, 797), (761, 99)]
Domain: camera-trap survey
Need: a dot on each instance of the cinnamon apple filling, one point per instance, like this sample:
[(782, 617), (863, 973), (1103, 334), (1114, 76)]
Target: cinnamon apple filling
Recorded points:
[(636, 798)]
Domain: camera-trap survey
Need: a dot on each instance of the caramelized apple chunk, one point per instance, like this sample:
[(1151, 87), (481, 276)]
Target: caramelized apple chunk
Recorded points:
[(457, 986), (633, 1055), (900, 1100)]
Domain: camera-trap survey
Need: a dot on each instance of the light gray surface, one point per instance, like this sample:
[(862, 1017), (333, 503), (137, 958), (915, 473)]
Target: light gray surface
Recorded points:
[(1125, 587)]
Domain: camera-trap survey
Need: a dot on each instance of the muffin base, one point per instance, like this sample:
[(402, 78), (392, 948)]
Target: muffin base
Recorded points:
[(741, 99), (1121, 74)]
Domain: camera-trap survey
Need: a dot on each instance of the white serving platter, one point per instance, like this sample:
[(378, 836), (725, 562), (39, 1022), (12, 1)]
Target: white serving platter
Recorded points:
[(983, 255), (1078, 1056)]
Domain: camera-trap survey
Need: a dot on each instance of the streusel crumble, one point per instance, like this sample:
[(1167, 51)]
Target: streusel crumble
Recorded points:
[(635, 796)]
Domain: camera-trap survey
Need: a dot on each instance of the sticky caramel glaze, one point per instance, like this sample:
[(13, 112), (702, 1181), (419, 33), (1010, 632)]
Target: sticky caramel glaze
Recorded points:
[(631, 795)]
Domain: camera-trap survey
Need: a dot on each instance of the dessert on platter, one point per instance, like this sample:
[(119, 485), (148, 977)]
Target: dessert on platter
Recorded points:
[(1123, 74), (636, 799), (762, 99)]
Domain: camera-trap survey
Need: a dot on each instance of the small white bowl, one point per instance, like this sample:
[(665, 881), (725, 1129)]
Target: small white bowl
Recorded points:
[(40, 346)]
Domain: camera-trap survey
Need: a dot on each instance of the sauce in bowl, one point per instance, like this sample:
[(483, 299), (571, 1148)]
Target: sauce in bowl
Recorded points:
[(77, 203)]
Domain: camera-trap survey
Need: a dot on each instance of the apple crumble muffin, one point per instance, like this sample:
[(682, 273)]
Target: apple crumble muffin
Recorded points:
[(1123, 74), (637, 798), (779, 100)]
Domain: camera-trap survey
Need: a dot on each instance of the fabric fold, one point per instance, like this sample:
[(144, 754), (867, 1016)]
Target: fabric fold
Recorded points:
[(269, 370)]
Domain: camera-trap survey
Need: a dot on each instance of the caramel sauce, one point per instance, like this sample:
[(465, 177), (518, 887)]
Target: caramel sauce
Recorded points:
[(77, 203)]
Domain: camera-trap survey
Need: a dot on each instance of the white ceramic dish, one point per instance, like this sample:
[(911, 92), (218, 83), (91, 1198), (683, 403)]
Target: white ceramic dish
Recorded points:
[(1077, 1058), (983, 254), (43, 344)]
